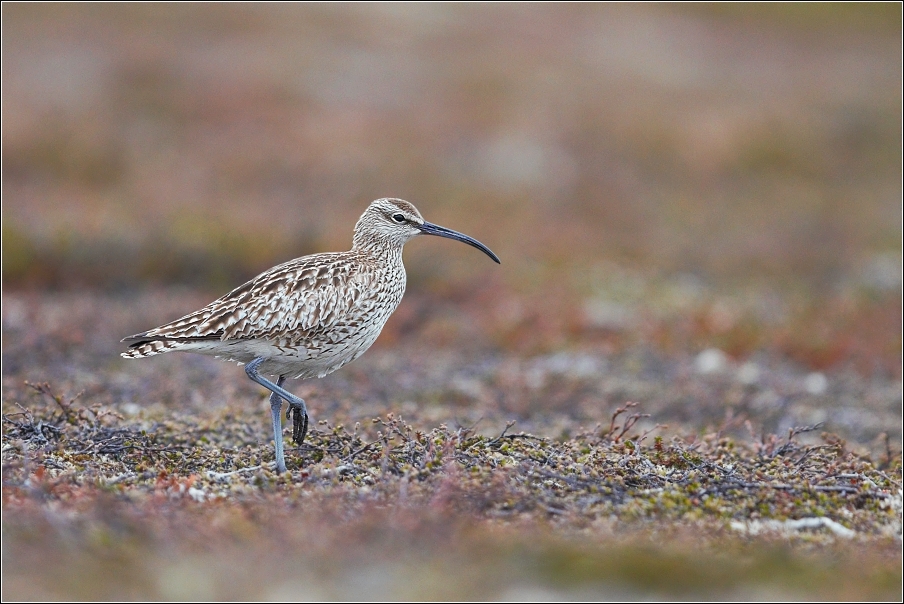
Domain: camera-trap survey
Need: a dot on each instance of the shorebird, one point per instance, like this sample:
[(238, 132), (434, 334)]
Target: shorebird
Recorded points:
[(307, 317)]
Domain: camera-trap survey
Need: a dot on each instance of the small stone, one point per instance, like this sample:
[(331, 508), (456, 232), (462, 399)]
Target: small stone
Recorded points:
[(816, 383), (711, 360), (749, 373)]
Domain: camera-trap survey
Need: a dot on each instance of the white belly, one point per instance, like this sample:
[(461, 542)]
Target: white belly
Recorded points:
[(313, 359)]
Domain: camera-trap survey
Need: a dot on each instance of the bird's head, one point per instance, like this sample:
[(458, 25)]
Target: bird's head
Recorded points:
[(390, 223)]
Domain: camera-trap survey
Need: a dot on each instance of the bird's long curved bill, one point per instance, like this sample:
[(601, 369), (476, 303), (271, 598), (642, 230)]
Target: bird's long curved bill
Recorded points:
[(434, 229)]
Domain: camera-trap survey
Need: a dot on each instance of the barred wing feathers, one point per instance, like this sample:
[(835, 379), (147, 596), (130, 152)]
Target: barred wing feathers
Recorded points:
[(301, 301)]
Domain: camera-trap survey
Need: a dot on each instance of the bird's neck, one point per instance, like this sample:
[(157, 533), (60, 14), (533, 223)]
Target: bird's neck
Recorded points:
[(377, 249)]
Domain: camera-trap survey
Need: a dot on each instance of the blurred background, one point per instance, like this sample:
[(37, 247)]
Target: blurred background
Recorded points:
[(697, 207), (684, 176)]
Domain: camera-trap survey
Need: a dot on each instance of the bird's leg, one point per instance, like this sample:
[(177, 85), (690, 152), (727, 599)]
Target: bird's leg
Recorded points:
[(275, 399), (298, 414), (299, 417), (275, 408), (278, 392)]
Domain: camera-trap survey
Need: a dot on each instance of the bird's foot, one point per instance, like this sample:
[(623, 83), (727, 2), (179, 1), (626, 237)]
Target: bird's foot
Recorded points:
[(299, 422)]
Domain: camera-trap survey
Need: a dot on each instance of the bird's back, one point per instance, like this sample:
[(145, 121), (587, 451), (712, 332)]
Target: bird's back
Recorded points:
[(306, 317)]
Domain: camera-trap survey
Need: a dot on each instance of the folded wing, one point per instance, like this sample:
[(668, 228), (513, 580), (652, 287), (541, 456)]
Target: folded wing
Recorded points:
[(296, 302)]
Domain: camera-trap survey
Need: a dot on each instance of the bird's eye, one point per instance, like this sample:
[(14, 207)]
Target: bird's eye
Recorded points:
[(398, 218)]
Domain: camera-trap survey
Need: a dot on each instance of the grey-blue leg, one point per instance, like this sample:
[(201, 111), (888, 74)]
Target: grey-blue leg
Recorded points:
[(279, 393), (275, 408)]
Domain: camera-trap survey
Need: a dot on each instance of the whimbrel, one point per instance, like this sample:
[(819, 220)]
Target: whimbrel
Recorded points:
[(308, 317)]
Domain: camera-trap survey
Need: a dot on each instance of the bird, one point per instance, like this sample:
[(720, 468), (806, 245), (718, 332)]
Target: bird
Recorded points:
[(307, 317)]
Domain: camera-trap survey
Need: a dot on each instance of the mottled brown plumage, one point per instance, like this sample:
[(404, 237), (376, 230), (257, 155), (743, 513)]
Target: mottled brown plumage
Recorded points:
[(307, 317)]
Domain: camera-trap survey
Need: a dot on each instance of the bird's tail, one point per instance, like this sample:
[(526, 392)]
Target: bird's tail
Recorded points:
[(139, 350)]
